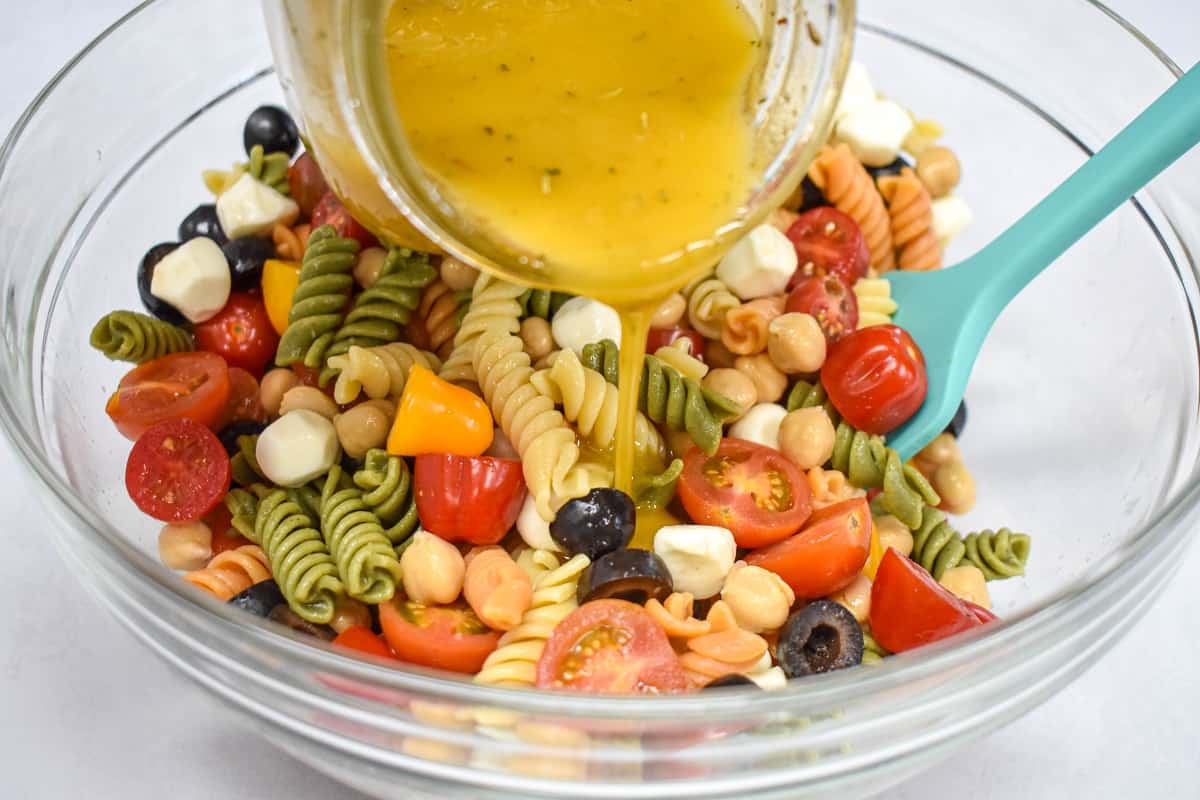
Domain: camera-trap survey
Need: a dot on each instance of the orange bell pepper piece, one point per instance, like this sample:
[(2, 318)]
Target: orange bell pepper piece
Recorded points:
[(279, 282), (435, 416)]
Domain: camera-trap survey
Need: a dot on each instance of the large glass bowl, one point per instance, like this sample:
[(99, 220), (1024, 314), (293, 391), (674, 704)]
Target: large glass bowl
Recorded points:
[(1083, 423)]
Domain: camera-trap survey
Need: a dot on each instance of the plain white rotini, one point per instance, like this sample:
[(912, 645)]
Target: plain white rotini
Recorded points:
[(708, 301), (378, 371), (494, 307), (591, 402), (547, 444), (514, 662), (678, 356), (875, 303)]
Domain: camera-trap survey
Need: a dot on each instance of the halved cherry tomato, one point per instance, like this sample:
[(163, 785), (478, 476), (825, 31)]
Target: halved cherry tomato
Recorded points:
[(241, 333), (244, 404), (191, 386), (330, 211), (610, 647), (830, 301), (909, 608), (177, 471), (435, 416), (363, 640), (224, 535), (828, 242), (306, 183), (826, 555), (661, 337), (279, 282), (750, 489), (474, 499), (442, 637), (876, 378)]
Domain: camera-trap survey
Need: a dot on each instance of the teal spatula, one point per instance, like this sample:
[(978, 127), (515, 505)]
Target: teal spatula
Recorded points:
[(949, 312)]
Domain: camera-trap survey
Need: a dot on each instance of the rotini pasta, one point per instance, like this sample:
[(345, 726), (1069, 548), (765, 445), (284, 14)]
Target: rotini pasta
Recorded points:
[(290, 241), (270, 168), (514, 662), (870, 464), (378, 372), (911, 211), (709, 300), (810, 395), (365, 560), (317, 306), (829, 487), (678, 356), (244, 464), (873, 652), (232, 572), (744, 329), (848, 185), (495, 306), (938, 547), (436, 320), (134, 337), (542, 303), (386, 484), (875, 303), (712, 648), (657, 491)]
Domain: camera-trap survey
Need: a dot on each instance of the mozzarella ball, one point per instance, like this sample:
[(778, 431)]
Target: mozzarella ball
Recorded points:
[(760, 425), (251, 208), (760, 264), (698, 557), (857, 91), (193, 278), (298, 447), (951, 216), (582, 321), (875, 132)]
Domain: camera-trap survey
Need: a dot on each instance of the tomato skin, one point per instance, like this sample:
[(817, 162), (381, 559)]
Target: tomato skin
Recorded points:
[(307, 183), (744, 467), (191, 386), (876, 378), (829, 300), (241, 333), (473, 499), (449, 638), (980, 613), (363, 640), (330, 211), (177, 471), (826, 555), (642, 663), (243, 404), (828, 241), (661, 337), (909, 608)]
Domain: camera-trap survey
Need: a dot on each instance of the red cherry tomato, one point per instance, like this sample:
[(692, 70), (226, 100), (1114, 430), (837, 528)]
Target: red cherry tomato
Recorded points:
[(876, 378), (363, 640), (446, 637), (830, 301), (241, 333), (330, 211), (828, 242), (244, 404), (909, 608), (191, 386), (981, 613), (177, 471), (306, 183), (826, 555), (661, 337), (474, 499), (610, 647), (750, 489), (224, 535)]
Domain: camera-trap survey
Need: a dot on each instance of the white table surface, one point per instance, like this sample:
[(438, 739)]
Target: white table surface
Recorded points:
[(85, 711)]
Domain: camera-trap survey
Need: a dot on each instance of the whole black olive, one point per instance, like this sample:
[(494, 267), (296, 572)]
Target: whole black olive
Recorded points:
[(730, 680), (811, 196), (599, 522), (246, 257), (159, 308), (202, 221), (259, 599), (285, 616), (633, 575), (820, 637), (230, 433), (959, 423), (273, 128), (889, 169)]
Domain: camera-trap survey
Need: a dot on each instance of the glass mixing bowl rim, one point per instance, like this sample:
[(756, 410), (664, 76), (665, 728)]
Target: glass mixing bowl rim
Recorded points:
[(1159, 534)]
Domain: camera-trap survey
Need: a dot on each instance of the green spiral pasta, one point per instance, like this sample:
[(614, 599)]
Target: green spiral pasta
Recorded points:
[(366, 562), (306, 573), (244, 464), (269, 168), (380, 313), (810, 395), (657, 491), (869, 463), (938, 547), (137, 338), (998, 554), (386, 484), (541, 303), (873, 651), (317, 306), (667, 397)]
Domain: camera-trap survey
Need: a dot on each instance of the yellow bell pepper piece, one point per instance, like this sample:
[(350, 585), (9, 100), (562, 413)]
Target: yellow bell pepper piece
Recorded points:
[(874, 555), (279, 282), (435, 416)]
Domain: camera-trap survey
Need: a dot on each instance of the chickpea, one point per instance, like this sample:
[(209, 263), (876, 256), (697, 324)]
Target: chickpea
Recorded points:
[(806, 437), (734, 385), (967, 582), (717, 355), (539, 342), (894, 534), (350, 613), (954, 483), (759, 599), (274, 385), (939, 170), (769, 382), (796, 343), (856, 598), (362, 428), (309, 398), (185, 545), (942, 450), (368, 265), (457, 274), (670, 312), (433, 570)]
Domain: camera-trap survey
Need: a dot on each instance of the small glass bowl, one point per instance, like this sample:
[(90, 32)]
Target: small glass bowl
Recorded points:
[(1083, 425)]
